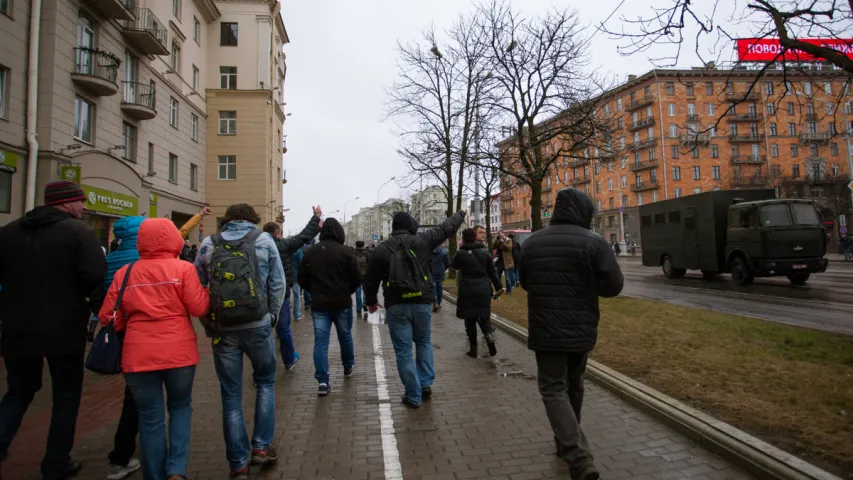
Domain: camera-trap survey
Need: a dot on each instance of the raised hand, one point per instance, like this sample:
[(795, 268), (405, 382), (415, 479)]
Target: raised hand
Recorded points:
[(318, 211)]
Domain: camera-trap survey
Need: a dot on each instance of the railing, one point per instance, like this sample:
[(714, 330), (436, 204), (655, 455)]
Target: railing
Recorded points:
[(744, 117), (692, 117), (752, 137), (577, 162), (694, 138), (641, 102), (139, 94), (748, 158), (643, 165), (643, 143), (96, 63), (753, 181), (146, 21), (814, 137), (578, 181), (644, 186), (646, 122), (811, 117)]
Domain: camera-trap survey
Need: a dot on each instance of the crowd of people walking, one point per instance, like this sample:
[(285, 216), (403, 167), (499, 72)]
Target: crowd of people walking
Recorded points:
[(239, 283)]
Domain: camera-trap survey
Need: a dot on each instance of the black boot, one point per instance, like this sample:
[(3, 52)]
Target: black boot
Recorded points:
[(472, 352), (490, 341)]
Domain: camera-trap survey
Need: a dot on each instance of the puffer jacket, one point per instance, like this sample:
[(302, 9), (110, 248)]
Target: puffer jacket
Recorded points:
[(477, 271), (329, 270), (565, 268), (125, 231), (162, 295)]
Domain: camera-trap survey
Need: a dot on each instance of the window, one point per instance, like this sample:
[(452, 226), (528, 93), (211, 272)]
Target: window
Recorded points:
[(176, 58), (652, 154), (830, 108), (227, 123), (677, 193), (176, 8), (173, 112), (790, 108), (733, 130), (848, 108), (674, 151), (696, 173), (639, 198), (624, 181), (691, 109), (792, 128), (5, 8), (795, 151), (676, 173), (768, 88), (659, 219), (795, 170), (653, 175), (671, 109), (228, 34), (673, 130), (646, 220), (807, 88), (84, 116), (597, 186), (195, 77), (611, 203), (715, 172), (813, 149), (773, 131), (715, 151), (709, 88), (128, 137), (228, 78), (193, 177), (771, 108), (228, 167), (5, 179), (712, 131), (694, 152), (620, 123), (812, 127), (196, 30), (610, 186), (670, 88), (690, 92), (774, 150), (194, 127), (833, 130), (697, 190), (4, 90), (833, 149), (712, 109), (150, 158), (619, 104), (173, 168)]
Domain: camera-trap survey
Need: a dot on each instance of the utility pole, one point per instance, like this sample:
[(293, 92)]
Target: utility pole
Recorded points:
[(477, 220)]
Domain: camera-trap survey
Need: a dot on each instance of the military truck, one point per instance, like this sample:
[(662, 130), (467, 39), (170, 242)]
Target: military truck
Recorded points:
[(748, 233)]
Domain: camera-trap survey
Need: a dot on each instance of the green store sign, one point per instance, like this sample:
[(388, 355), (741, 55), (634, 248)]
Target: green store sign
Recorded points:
[(105, 201), (8, 161)]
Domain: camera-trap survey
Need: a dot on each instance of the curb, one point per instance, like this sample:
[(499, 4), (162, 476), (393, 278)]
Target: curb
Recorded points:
[(750, 453)]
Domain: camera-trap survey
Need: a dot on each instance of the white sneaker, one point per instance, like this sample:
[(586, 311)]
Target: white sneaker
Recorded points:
[(117, 472)]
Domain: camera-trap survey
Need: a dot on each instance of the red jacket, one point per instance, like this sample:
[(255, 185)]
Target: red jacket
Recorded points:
[(162, 295)]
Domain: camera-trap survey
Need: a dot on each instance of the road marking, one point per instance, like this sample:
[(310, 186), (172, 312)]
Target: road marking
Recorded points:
[(390, 454)]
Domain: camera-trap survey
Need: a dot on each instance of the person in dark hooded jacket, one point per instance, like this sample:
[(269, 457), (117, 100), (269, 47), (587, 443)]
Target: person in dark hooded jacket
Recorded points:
[(564, 268), (330, 272), (438, 265)]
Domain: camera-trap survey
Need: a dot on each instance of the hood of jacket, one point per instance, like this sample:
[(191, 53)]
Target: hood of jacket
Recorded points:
[(405, 222), (472, 246), (332, 230), (159, 238), (126, 231), (573, 207), (44, 216)]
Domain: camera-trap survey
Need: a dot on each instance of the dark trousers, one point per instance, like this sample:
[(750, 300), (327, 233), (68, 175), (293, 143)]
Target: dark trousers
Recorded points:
[(485, 324), (128, 427), (24, 380), (561, 386)]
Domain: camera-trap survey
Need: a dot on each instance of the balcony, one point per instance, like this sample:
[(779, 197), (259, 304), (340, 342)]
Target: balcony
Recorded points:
[(811, 117), (641, 186), (637, 166), (643, 143), (754, 181), (577, 162), (146, 33), (117, 9), (139, 101), (740, 96), (748, 159), (580, 180), (695, 139), (692, 117), (639, 103), (814, 137), (646, 122), (751, 137), (745, 117), (95, 71)]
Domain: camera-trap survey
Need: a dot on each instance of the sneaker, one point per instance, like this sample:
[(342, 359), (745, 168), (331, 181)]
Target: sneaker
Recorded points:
[(588, 473), (242, 474), (264, 457), (411, 404), (323, 389), (72, 469), (295, 359), (300, 317), (426, 392), (349, 371), (117, 472)]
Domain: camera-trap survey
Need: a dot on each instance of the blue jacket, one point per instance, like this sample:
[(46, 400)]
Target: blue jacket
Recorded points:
[(271, 269), (439, 262), (125, 230)]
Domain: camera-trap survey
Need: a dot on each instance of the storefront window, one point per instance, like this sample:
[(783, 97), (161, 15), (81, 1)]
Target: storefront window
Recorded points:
[(5, 192)]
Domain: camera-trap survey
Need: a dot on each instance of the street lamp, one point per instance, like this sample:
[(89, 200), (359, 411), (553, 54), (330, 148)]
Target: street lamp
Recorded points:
[(345, 208), (377, 203)]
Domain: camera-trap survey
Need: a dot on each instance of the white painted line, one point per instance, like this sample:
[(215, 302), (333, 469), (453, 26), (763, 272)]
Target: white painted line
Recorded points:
[(390, 454)]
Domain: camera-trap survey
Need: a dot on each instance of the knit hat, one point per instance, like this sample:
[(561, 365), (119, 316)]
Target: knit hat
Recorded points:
[(63, 191)]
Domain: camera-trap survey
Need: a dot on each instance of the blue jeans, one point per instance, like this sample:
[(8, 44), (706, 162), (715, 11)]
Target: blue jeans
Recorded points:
[(438, 289), (282, 329), (158, 460), (297, 301), (511, 279), (323, 320), (410, 322), (307, 296), (259, 345)]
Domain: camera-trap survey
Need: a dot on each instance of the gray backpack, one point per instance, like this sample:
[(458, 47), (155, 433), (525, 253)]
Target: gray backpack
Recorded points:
[(237, 295)]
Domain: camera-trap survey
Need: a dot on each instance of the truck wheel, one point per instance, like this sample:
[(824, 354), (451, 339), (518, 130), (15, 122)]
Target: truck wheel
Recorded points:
[(799, 278), (669, 271), (741, 273), (709, 275)]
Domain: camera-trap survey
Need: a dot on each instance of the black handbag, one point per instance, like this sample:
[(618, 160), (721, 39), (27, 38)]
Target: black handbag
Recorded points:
[(105, 355)]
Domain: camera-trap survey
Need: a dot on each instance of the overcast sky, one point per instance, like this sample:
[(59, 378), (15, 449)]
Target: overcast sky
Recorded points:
[(340, 60)]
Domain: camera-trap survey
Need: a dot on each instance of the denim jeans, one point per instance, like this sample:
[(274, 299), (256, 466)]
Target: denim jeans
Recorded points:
[(297, 300), (282, 329), (438, 290), (511, 279), (410, 322), (259, 345), (158, 460), (360, 298), (307, 295), (23, 378), (323, 321)]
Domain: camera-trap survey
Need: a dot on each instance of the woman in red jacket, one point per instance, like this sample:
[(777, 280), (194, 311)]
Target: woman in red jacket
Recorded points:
[(160, 345)]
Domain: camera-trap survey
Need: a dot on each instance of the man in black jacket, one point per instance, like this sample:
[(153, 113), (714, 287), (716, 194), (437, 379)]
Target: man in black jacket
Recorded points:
[(330, 272), (49, 262), (565, 268), (409, 316), (286, 248)]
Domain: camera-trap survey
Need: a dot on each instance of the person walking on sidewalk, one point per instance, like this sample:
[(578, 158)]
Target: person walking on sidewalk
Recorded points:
[(160, 347), (401, 265), (242, 320), (49, 263), (565, 267), (438, 265), (286, 248), (474, 303), (363, 258), (330, 272), (296, 260), (505, 245)]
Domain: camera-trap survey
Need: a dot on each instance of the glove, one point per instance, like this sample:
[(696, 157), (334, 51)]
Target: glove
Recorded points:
[(373, 308)]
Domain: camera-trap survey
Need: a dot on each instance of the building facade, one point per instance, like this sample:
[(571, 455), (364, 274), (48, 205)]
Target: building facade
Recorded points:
[(680, 132)]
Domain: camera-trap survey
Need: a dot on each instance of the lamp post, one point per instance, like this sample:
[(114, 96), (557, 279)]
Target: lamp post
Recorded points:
[(345, 208), (378, 232)]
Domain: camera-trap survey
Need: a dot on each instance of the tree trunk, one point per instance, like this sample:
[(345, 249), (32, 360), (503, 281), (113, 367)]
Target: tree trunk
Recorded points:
[(536, 203), (488, 207)]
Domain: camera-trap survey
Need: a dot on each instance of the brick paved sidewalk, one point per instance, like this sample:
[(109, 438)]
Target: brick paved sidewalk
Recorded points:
[(485, 420)]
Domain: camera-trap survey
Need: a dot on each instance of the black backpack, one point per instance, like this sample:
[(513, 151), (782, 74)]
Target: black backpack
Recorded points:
[(362, 259), (405, 274), (237, 295)]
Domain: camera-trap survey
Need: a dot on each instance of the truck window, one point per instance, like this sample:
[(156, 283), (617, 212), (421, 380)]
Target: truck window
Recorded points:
[(674, 217), (659, 219), (647, 220), (805, 214), (776, 215), (734, 218)]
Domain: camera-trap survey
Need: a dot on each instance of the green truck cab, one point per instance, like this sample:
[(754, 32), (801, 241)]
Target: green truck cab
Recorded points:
[(748, 233)]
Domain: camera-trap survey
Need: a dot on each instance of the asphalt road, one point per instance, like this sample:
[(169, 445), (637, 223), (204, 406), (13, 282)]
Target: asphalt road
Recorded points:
[(824, 303)]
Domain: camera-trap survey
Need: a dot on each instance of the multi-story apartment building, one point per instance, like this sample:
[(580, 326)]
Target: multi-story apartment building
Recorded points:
[(429, 206), (680, 132)]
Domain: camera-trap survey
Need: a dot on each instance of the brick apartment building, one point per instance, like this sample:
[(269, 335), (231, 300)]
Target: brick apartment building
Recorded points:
[(675, 135)]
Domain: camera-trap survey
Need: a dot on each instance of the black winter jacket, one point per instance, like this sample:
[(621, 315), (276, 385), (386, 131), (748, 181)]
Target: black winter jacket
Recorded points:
[(422, 244), (565, 268), (477, 270), (49, 263), (329, 270), (288, 246)]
